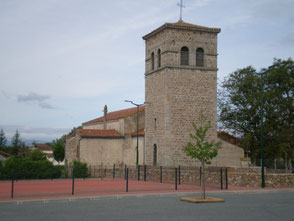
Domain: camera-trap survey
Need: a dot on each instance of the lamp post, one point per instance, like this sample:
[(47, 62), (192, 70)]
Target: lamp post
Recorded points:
[(137, 148), (261, 124)]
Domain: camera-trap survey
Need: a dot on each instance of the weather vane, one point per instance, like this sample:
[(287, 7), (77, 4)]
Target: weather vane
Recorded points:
[(181, 9)]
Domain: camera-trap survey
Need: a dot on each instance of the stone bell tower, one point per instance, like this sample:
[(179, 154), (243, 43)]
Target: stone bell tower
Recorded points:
[(180, 82)]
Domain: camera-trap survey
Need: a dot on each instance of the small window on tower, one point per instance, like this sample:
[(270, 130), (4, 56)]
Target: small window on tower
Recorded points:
[(184, 56), (159, 58), (152, 61), (155, 123), (154, 155), (200, 57)]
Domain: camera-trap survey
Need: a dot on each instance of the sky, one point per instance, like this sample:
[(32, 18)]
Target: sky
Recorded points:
[(61, 61)]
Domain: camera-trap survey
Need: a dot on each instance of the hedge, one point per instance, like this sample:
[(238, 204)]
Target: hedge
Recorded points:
[(25, 168)]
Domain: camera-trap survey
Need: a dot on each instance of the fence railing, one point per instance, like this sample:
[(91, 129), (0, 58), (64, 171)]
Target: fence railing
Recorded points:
[(140, 174)]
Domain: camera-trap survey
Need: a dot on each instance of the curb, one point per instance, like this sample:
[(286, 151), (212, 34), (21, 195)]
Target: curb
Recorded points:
[(117, 197)]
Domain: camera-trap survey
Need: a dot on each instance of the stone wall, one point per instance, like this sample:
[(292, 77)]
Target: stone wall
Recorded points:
[(247, 177), (177, 94)]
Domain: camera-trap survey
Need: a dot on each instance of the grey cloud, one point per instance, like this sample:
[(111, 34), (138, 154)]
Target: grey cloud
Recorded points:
[(5, 94), (288, 40), (36, 98), (34, 133), (46, 105)]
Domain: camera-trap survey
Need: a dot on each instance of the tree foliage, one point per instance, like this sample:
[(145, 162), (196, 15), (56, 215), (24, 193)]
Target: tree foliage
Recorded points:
[(3, 140), (16, 143), (240, 104), (58, 147), (201, 148)]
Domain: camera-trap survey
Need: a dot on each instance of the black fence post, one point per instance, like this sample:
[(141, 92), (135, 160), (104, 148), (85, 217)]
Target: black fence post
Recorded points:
[(113, 175), (226, 174), (176, 179), (127, 180), (145, 172), (200, 175), (125, 171), (221, 177), (73, 182), (161, 174), (179, 175), (138, 172), (12, 186)]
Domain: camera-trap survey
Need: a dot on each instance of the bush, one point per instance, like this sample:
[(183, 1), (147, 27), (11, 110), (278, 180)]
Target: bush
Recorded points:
[(25, 168), (1, 170), (80, 169)]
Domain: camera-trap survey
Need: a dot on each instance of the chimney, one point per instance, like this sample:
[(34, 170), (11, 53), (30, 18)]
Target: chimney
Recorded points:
[(104, 119)]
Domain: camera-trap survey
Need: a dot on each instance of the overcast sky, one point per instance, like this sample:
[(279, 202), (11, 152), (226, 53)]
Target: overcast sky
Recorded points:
[(61, 61)]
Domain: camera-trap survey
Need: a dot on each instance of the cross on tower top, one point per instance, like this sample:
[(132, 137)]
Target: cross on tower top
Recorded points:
[(181, 9)]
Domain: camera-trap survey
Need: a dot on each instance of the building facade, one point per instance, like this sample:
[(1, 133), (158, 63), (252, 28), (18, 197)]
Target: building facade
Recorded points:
[(180, 83)]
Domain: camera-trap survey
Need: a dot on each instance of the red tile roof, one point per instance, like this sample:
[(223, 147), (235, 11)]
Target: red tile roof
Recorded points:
[(182, 25), (228, 138), (116, 115), (43, 147), (98, 133), (4, 154), (141, 133)]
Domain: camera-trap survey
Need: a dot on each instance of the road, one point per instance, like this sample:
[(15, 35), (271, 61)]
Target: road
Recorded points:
[(237, 207)]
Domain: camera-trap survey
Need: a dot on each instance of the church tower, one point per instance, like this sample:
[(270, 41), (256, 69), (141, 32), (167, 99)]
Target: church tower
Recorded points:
[(180, 82)]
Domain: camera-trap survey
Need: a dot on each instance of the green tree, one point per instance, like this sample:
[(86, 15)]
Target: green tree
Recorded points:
[(16, 143), (239, 108), (24, 150), (3, 139), (58, 147), (37, 155), (201, 148)]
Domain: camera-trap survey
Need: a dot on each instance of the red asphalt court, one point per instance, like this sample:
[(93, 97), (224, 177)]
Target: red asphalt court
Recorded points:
[(62, 188)]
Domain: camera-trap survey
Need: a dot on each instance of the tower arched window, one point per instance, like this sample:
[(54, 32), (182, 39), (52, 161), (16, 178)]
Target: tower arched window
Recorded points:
[(159, 58), (200, 57), (184, 56), (152, 61), (154, 155)]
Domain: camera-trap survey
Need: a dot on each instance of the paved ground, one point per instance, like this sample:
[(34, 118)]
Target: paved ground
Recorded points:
[(267, 206), (47, 189)]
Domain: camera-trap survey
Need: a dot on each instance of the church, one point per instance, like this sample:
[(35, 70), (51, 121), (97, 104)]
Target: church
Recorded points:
[(180, 83)]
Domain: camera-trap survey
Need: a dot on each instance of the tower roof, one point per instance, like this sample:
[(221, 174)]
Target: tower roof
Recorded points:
[(183, 26)]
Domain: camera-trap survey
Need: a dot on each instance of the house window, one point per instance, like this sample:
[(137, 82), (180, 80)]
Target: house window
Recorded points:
[(159, 58), (184, 56), (152, 61), (154, 155), (200, 57)]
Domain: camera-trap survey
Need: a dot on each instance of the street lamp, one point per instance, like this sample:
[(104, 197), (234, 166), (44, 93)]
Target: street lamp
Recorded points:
[(261, 124), (137, 148)]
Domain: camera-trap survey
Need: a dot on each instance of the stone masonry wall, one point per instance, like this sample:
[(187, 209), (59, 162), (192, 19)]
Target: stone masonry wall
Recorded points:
[(247, 177), (177, 94)]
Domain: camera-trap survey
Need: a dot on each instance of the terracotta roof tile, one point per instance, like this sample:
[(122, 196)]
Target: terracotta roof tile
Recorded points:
[(182, 25), (116, 115), (141, 133), (98, 133), (228, 138), (4, 154), (43, 147)]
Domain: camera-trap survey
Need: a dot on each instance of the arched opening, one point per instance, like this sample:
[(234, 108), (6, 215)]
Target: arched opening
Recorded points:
[(159, 58), (152, 61), (200, 57), (154, 155), (184, 56)]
